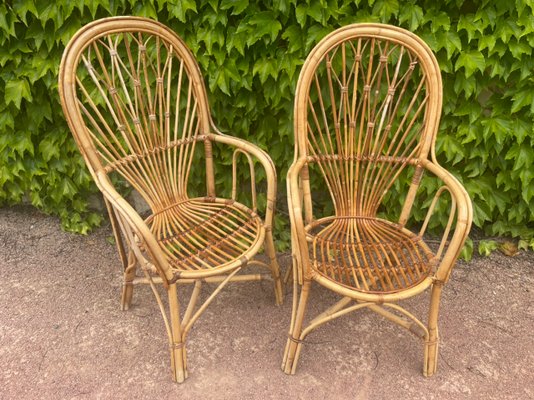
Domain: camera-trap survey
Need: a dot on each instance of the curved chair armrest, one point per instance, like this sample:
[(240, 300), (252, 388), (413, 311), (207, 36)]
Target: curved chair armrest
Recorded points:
[(298, 234), (464, 218), (268, 165), (137, 224)]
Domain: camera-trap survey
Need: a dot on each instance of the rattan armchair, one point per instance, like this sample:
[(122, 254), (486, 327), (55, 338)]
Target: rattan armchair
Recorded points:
[(136, 104), (367, 109)]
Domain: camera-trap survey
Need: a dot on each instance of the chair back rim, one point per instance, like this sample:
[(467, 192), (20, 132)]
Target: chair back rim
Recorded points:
[(89, 34), (382, 31)]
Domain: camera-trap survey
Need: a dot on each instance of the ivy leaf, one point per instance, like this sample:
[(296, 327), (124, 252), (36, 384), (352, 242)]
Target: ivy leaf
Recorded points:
[(6, 121), (471, 61), (36, 199), (430, 39), (526, 175), (21, 7), (450, 40), (221, 80), (525, 244), (496, 126), (486, 247), (467, 251), (439, 22), (16, 90), (471, 133), (523, 155), (470, 25), (526, 21), (527, 66), (145, 9), (68, 187), (232, 70), (386, 9), (521, 129), (301, 14), (41, 64), (413, 14), (522, 98), (48, 148), (294, 37), (23, 144), (261, 24), (314, 35), (501, 201), (211, 36), (469, 109), (507, 30), (7, 21), (452, 148), (486, 42), (481, 213), (49, 11), (487, 15), (282, 5), (180, 8), (264, 67), (68, 29), (315, 11), (519, 49), (238, 6), (235, 41)]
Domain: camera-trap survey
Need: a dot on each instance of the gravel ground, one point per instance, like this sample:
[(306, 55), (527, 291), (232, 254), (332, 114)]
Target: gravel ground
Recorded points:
[(63, 336)]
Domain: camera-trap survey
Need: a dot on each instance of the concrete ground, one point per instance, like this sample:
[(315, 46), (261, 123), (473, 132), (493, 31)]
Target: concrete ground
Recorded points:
[(62, 335)]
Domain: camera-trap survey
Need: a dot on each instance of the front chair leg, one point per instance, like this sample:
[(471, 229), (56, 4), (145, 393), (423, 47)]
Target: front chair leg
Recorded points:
[(432, 343), (293, 346), (177, 345)]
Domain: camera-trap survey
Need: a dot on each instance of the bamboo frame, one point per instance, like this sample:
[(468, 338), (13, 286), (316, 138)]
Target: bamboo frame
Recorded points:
[(135, 101), (367, 109)]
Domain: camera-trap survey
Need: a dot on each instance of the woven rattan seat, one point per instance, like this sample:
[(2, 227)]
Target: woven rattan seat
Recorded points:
[(367, 109), (369, 255), (137, 106), (206, 233)]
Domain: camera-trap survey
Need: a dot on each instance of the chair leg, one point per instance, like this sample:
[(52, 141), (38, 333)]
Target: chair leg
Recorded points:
[(293, 346), (432, 343), (127, 285), (177, 345), (275, 268)]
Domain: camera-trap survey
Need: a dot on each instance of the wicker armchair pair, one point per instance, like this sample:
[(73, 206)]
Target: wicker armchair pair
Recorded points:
[(367, 110)]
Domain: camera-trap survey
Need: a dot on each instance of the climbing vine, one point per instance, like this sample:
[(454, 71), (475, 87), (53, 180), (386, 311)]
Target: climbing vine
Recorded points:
[(250, 54)]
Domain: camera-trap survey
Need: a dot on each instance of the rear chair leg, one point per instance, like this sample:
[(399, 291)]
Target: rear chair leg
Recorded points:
[(275, 268), (127, 285), (129, 261), (431, 345)]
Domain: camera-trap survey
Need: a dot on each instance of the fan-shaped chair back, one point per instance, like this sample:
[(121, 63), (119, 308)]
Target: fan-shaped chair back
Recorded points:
[(136, 104), (368, 105)]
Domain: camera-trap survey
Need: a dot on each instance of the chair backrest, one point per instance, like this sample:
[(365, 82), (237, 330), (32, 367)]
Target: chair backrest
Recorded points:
[(136, 103), (367, 105)]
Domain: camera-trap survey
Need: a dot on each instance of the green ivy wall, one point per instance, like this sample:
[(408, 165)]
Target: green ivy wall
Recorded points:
[(251, 53)]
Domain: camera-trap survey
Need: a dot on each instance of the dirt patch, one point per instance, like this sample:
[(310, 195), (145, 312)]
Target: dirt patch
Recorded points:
[(63, 336)]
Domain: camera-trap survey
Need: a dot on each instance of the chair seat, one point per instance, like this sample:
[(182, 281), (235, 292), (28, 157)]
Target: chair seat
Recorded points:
[(207, 233), (368, 254)]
